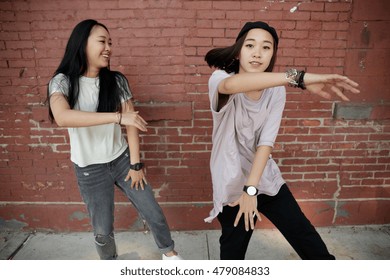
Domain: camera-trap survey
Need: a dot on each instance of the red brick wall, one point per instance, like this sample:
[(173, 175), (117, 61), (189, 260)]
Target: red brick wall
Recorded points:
[(337, 168)]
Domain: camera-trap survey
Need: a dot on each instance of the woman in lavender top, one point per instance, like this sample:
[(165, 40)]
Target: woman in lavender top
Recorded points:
[(247, 102)]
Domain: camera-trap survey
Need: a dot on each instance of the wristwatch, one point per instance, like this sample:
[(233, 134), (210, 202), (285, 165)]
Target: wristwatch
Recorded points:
[(136, 166), (251, 190)]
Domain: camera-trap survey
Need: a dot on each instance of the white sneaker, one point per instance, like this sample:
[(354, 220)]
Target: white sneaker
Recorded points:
[(172, 258)]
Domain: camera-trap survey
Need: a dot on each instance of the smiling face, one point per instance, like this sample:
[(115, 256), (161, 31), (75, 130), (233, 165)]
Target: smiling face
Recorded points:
[(98, 50), (257, 51)]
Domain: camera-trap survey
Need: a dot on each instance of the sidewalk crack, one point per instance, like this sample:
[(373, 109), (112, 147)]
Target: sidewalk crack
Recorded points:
[(335, 198), (207, 246), (20, 246)]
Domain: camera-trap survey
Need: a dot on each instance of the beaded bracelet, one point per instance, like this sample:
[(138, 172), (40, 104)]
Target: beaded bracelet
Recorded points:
[(295, 78)]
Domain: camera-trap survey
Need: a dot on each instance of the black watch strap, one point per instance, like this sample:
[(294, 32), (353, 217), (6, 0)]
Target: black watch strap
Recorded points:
[(136, 166), (251, 190)]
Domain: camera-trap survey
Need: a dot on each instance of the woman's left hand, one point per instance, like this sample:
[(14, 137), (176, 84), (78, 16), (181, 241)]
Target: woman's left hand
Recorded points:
[(333, 83), (248, 208), (137, 179)]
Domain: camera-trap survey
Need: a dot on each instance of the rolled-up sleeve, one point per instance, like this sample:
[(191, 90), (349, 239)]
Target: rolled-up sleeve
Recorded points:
[(272, 123), (59, 84), (215, 79)]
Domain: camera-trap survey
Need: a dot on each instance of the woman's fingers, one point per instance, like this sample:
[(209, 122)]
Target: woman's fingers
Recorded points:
[(139, 122), (142, 120), (138, 179), (335, 83), (137, 184), (247, 220), (139, 118), (141, 183), (239, 214), (248, 208), (140, 126), (348, 86), (339, 93), (134, 119), (324, 94), (128, 177), (351, 83)]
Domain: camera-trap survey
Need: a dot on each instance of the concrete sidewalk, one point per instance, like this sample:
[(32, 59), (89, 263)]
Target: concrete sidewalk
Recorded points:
[(346, 243)]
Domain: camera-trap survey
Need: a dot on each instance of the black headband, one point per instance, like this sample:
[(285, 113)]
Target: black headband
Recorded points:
[(258, 24)]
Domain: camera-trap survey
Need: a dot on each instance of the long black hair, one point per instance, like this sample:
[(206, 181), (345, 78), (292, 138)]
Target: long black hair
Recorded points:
[(226, 58), (113, 86)]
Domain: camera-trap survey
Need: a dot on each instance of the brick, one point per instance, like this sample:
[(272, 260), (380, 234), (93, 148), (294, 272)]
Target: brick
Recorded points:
[(361, 212), (338, 7), (115, 14), (311, 25), (371, 10), (239, 15), (372, 89), (320, 213), (332, 44), (324, 17), (371, 34), (364, 192), (296, 15), (197, 5), (311, 6), (380, 112), (295, 34), (226, 5), (325, 35), (211, 14), (197, 41), (308, 43), (362, 61), (103, 5)]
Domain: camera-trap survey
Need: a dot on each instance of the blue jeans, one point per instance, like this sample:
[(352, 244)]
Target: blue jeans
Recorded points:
[(96, 183)]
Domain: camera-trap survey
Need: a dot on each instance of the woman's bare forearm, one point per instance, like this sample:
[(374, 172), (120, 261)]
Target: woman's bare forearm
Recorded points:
[(258, 166), (246, 82), (67, 117)]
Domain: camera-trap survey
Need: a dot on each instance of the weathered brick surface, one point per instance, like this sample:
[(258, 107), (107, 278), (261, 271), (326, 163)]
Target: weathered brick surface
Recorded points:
[(338, 168)]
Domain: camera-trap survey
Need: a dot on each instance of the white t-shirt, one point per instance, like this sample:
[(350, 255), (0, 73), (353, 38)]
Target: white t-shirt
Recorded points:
[(238, 129), (92, 144)]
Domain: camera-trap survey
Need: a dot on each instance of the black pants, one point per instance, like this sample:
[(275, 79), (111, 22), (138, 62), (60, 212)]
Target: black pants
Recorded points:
[(284, 212)]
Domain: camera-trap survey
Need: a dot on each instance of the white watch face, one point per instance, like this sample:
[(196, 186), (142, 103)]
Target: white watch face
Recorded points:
[(251, 190)]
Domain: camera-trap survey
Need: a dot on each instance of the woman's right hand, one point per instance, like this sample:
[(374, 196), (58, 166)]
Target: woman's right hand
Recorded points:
[(134, 119), (316, 83), (248, 209)]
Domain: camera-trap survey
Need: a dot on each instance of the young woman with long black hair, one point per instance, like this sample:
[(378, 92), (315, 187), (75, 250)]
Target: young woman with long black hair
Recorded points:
[(94, 103)]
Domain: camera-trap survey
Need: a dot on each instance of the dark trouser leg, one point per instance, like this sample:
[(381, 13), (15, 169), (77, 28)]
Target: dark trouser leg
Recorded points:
[(284, 212), (234, 240)]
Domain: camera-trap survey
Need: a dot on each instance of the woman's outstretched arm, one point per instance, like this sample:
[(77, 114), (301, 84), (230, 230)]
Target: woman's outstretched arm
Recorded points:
[(324, 85)]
